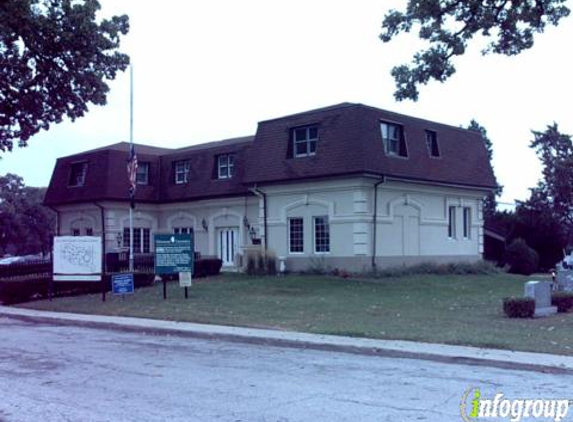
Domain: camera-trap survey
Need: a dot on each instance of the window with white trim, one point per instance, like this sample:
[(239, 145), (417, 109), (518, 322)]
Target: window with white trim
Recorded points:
[(141, 239), (321, 234), (432, 143), (393, 139), (304, 141), (182, 169), (182, 230), (142, 173), (467, 222), (225, 166), (451, 222), (296, 235), (78, 174)]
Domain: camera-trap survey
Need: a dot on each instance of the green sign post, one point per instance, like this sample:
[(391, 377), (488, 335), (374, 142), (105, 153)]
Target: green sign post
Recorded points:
[(174, 254)]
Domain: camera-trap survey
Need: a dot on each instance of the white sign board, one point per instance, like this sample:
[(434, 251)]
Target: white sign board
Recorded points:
[(185, 279), (77, 258)]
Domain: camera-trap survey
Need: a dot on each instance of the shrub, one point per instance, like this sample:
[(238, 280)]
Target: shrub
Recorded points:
[(261, 263), (458, 268), (521, 258), (563, 301), (18, 291), (204, 267), (519, 307)]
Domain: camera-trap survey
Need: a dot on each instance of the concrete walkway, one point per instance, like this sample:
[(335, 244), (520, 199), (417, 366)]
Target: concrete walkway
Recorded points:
[(386, 348)]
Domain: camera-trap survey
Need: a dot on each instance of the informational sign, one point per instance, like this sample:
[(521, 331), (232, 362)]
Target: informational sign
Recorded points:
[(185, 279), (77, 258), (173, 253), (122, 284)]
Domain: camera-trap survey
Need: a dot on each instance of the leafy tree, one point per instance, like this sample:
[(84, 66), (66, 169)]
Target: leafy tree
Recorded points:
[(26, 226), (555, 151), (490, 202), (536, 222), (449, 25), (55, 59)]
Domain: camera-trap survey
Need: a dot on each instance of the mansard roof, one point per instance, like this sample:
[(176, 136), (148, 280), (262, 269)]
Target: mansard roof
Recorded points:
[(349, 142)]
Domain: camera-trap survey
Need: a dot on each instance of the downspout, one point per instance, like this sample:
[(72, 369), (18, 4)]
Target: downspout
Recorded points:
[(263, 195), (374, 222), (103, 251)]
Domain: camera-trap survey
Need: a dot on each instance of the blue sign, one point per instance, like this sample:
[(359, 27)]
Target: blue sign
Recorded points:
[(122, 284)]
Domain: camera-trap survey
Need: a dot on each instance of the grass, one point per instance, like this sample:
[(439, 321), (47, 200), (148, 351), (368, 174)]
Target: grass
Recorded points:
[(452, 309)]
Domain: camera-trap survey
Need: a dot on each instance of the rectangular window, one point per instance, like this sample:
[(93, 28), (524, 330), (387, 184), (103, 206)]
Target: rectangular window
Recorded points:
[(296, 235), (451, 222), (89, 231), (467, 222), (432, 143), (321, 235), (225, 166), (78, 174), (392, 136), (182, 171), (141, 239), (182, 230), (75, 232), (304, 141), (142, 174)]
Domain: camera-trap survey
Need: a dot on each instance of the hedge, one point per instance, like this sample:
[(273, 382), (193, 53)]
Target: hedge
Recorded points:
[(563, 301), (519, 307)]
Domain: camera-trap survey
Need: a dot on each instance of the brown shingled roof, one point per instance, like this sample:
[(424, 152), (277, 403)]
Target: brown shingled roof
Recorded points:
[(350, 142)]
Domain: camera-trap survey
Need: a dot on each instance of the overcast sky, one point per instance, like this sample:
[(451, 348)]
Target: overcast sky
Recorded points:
[(206, 71)]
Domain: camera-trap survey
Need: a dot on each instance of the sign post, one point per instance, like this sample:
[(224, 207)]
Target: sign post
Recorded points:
[(122, 284), (174, 255)]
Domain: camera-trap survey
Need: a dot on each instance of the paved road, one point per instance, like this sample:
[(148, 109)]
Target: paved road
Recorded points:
[(54, 373)]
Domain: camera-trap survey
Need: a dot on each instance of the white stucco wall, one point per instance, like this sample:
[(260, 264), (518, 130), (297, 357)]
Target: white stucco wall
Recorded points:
[(411, 221)]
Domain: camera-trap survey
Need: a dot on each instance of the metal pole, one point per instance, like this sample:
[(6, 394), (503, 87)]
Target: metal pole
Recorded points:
[(131, 156)]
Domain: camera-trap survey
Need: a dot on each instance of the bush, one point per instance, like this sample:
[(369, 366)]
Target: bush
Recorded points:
[(20, 291), (521, 258), (261, 263), (563, 301), (204, 267), (519, 307), (455, 268)]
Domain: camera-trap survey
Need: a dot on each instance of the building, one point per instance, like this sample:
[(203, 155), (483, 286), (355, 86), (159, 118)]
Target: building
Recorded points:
[(347, 186)]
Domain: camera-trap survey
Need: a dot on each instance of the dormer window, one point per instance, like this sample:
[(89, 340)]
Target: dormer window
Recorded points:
[(182, 169), (78, 174), (225, 166), (432, 143), (393, 138), (304, 141), (142, 174)]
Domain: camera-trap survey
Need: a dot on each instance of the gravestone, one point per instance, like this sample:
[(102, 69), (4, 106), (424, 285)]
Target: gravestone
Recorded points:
[(564, 279), (541, 292)]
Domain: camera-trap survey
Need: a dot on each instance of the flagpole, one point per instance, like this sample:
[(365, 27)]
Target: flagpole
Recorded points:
[(131, 157)]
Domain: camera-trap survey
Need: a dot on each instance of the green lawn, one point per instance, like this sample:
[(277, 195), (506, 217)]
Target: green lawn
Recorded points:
[(450, 309)]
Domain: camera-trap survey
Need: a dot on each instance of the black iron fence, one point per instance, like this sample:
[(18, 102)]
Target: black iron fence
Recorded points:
[(114, 263), (36, 269)]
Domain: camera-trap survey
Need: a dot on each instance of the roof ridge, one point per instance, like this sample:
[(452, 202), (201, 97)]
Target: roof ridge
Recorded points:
[(315, 110)]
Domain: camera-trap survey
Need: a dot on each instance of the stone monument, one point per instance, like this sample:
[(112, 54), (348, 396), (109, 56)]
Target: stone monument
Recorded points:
[(541, 292)]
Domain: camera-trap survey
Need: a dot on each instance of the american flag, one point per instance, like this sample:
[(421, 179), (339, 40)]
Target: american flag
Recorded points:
[(132, 172)]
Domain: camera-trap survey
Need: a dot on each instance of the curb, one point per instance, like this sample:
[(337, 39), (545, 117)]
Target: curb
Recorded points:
[(463, 355)]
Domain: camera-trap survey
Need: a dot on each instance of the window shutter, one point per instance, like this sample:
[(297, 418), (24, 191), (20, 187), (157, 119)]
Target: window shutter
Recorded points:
[(215, 172), (403, 148), (290, 152)]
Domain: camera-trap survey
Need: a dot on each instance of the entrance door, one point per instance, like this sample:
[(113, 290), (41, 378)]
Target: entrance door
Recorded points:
[(227, 244)]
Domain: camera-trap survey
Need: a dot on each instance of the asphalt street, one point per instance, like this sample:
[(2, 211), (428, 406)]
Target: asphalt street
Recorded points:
[(55, 373)]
